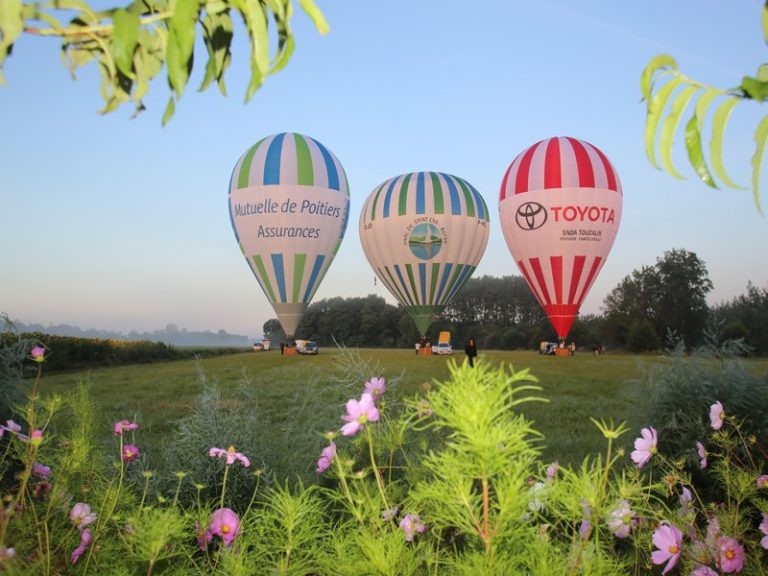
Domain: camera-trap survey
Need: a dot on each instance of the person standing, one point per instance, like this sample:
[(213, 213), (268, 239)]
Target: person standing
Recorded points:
[(471, 351)]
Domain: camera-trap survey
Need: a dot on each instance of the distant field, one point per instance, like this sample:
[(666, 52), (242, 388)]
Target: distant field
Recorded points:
[(578, 387)]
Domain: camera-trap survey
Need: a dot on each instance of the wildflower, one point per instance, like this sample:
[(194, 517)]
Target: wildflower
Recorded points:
[(422, 408), (703, 571), (358, 414), (130, 453), (716, 415), (85, 539), (225, 524), (37, 354), (203, 537), (36, 438), (620, 519), (410, 524), (81, 515), (41, 471), (231, 455), (536, 493), (685, 501), (376, 387), (326, 457), (585, 529), (552, 470), (11, 426), (762, 481), (764, 529), (645, 447), (124, 426), (702, 454), (6, 554), (389, 514), (668, 539), (730, 555)]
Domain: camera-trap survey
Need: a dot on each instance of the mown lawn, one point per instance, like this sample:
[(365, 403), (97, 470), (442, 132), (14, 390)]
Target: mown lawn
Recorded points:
[(579, 387)]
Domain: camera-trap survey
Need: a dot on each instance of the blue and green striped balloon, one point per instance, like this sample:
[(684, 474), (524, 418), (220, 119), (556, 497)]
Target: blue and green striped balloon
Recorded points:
[(424, 233), (289, 208)]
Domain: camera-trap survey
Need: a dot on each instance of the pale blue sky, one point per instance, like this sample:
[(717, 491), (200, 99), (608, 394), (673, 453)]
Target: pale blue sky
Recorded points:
[(113, 223)]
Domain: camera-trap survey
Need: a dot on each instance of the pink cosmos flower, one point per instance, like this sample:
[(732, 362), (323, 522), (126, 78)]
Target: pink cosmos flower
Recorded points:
[(730, 555), (411, 524), (702, 454), (225, 524), (703, 571), (36, 437), (359, 414), (762, 481), (11, 426), (389, 514), (645, 447), (669, 540), (130, 453), (585, 529), (37, 354), (552, 470), (203, 537), (41, 471), (376, 387), (81, 515), (620, 519), (716, 415), (124, 426), (231, 455), (764, 529), (685, 501), (326, 457), (85, 539)]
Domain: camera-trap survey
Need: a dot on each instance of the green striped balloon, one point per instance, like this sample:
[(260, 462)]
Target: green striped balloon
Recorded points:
[(289, 208), (424, 233)]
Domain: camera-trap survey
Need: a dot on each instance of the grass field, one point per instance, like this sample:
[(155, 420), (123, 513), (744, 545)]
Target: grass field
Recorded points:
[(579, 387)]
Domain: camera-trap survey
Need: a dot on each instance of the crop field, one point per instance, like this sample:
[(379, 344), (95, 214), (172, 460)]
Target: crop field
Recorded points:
[(608, 387)]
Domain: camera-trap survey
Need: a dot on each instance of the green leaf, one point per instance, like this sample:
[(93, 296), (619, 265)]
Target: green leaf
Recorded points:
[(11, 27), (170, 109), (695, 152), (754, 88), (761, 136), (181, 41), (655, 109), (762, 73), (668, 129), (255, 18), (316, 15), (764, 21), (124, 40), (217, 35), (719, 123), (661, 61)]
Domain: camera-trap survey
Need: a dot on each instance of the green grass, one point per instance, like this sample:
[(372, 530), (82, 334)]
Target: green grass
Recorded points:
[(577, 388)]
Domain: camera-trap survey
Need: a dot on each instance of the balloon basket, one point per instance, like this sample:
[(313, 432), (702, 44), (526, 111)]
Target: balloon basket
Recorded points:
[(289, 351), (426, 351), (562, 352)]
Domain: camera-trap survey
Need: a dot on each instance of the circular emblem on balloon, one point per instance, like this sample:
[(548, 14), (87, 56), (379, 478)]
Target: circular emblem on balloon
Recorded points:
[(424, 233), (289, 207), (425, 241), (560, 208)]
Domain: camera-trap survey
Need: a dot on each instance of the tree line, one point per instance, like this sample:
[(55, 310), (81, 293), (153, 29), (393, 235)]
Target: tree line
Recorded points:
[(639, 314)]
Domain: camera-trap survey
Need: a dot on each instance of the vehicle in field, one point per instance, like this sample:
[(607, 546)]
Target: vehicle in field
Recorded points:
[(307, 347), (444, 348), (262, 346)]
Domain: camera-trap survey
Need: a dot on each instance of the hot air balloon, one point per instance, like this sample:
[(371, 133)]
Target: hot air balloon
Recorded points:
[(289, 207), (559, 209), (424, 234)]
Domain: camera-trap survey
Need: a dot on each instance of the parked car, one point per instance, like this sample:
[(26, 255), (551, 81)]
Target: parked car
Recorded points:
[(258, 347), (309, 347), (444, 348)]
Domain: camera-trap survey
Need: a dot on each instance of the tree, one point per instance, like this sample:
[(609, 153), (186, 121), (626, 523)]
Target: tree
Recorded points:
[(746, 316), (132, 44), (661, 79), (273, 330), (669, 295)]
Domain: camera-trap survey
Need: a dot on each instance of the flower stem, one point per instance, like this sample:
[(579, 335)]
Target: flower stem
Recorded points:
[(379, 479)]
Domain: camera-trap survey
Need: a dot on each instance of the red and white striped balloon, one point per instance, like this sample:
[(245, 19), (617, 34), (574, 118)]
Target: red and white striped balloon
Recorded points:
[(560, 208)]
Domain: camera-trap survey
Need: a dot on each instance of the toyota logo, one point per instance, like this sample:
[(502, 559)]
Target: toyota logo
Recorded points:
[(531, 216)]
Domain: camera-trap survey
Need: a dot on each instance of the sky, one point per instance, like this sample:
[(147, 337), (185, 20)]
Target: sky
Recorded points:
[(117, 223)]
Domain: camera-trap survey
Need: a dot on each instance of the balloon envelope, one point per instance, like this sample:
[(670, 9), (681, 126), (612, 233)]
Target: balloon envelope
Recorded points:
[(424, 234), (560, 208), (289, 206)]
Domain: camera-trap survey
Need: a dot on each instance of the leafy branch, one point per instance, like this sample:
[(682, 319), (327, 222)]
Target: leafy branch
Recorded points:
[(132, 44), (669, 92)]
